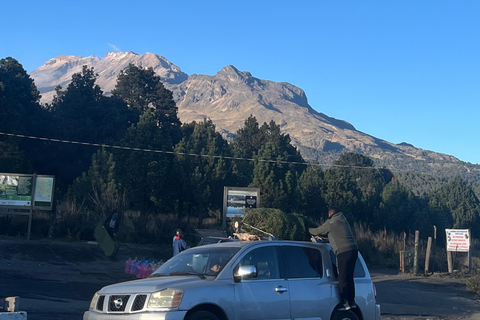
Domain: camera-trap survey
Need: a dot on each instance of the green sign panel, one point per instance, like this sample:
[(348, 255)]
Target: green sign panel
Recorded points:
[(16, 191)]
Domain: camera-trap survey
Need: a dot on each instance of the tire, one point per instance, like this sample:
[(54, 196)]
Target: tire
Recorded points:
[(344, 315), (202, 315)]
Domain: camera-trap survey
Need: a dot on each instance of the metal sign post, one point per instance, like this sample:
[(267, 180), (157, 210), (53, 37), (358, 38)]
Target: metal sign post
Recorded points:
[(30, 216)]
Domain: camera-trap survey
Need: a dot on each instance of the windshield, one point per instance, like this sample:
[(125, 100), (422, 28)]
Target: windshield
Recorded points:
[(204, 261)]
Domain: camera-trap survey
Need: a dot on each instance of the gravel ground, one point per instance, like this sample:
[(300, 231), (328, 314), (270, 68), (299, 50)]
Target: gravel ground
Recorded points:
[(401, 296)]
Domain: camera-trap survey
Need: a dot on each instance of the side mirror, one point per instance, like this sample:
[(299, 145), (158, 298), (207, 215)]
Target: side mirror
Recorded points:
[(245, 273)]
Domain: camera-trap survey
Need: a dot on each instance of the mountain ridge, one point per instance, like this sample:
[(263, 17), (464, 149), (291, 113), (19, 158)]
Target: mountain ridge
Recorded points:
[(231, 96)]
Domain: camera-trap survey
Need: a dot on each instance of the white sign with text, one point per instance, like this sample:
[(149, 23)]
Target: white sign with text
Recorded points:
[(458, 240)]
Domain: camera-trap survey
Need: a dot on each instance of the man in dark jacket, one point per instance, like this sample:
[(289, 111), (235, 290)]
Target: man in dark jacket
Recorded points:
[(343, 243)]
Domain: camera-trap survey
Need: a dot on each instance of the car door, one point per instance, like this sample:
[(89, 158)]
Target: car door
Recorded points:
[(266, 295), (310, 290)]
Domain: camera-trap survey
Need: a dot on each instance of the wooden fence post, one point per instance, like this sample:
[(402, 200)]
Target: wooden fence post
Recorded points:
[(449, 262), (415, 258), (427, 257), (402, 261)]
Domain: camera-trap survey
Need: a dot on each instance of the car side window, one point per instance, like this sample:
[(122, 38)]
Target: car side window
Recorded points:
[(302, 262), (265, 261), (358, 273)]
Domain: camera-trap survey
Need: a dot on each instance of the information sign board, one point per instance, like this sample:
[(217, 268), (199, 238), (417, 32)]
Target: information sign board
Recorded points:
[(16, 190), (19, 190), (44, 187), (458, 240), (237, 199)]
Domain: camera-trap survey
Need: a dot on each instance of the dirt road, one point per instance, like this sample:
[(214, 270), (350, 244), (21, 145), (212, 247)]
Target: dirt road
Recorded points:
[(438, 296), (401, 296)]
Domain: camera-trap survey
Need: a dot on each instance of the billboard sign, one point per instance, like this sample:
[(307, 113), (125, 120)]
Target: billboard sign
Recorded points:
[(237, 199), (458, 240)]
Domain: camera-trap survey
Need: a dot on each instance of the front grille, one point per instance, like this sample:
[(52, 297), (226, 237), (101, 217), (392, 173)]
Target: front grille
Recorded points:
[(117, 303), (139, 302), (100, 302)]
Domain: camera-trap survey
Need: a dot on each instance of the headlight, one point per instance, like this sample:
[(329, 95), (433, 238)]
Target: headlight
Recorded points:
[(93, 303), (169, 298)]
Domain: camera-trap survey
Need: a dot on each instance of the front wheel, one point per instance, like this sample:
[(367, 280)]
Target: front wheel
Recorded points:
[(344, 315), (202, 315)]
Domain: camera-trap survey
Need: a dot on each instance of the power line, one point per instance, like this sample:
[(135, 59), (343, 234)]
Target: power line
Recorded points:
[(100, 145)]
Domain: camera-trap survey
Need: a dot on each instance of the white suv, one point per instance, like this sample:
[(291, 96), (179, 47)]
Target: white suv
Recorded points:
[(240, 281)]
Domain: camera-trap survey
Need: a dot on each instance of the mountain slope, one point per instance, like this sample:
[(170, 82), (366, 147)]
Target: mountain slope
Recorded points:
[(59, 70), (227, 98), (231, 96)]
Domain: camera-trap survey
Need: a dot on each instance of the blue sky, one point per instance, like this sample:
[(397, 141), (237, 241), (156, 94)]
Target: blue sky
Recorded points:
[(403, 71)]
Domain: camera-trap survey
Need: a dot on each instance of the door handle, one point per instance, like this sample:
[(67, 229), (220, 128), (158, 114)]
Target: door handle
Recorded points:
[(281, 289)]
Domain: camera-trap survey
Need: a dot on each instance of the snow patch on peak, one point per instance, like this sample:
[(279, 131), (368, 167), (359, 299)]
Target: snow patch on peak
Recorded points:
[(59, 70), (119, 55)]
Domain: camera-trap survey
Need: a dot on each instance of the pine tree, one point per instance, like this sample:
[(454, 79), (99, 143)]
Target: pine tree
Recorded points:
[(362, 185), (276, 178), (397, 209), (97, 187), (142, 90), (459, 198), (19, 98), (311, 188), (83, 114), (146, 176), (203, 170), (20, 112)]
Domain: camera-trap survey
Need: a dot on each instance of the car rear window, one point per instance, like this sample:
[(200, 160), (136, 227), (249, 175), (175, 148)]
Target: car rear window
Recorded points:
[(359, 271)]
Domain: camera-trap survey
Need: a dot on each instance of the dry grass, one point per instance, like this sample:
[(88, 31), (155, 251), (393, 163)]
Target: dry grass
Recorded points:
[(382, 250)]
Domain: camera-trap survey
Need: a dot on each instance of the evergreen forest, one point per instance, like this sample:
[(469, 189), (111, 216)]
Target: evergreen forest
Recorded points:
[(128, 152)]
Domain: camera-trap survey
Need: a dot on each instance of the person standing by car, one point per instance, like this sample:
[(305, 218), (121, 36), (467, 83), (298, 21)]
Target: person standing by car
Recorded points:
[(178, 243), (343, 244)]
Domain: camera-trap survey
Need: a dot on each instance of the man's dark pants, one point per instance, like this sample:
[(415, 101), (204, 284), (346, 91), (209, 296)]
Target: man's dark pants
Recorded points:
[(346, 266)]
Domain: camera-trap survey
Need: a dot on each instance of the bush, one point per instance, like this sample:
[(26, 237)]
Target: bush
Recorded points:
[(74, 222), (276, 222)]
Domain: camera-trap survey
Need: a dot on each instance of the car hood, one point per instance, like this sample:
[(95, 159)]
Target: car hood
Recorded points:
[(153, 284)]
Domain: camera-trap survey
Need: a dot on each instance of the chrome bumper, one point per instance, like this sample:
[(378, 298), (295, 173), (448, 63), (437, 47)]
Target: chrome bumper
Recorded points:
[(174, 315)]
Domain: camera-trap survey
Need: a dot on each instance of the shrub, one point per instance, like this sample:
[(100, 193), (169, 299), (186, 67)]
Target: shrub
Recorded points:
[(276, 222)]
